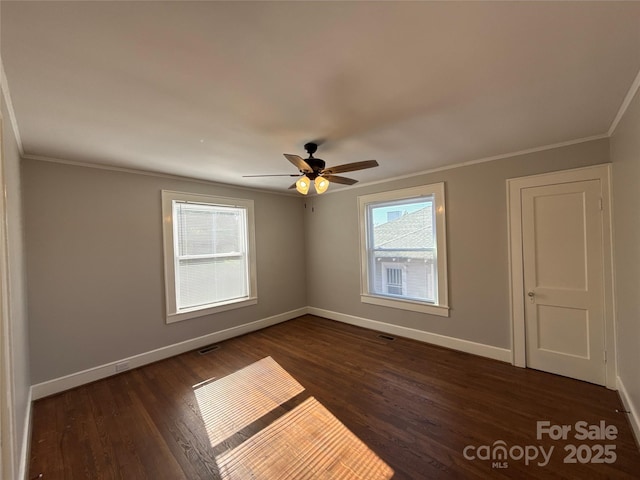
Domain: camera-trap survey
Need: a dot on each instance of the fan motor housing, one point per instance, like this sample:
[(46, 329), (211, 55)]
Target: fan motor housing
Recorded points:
[(316, 164)]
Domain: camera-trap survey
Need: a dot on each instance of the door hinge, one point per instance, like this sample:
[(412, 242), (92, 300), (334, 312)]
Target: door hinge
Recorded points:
[(600, 203), (604, 354)]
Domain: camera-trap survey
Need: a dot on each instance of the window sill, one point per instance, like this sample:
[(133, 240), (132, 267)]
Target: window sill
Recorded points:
[(440, 310), (218, 307)]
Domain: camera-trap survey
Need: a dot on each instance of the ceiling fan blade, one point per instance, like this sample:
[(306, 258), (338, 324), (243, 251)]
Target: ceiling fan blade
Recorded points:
[(276, 175), (337, 179), (299, 163), (292, 186), (350, 167)]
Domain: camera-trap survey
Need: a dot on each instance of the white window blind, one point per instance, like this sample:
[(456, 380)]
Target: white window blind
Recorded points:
[(211, 261)]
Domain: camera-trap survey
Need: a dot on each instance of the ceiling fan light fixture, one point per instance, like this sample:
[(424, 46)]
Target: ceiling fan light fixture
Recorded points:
[(303, 184), (313, 169), (321, 184)]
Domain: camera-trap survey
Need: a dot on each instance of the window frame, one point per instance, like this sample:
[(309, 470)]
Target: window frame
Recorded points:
[(367, 295), (173, 314)]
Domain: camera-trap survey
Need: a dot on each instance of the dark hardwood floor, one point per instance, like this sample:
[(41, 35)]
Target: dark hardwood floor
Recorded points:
[(416, 406)]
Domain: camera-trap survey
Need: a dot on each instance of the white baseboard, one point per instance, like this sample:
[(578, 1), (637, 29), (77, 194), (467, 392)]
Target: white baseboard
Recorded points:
[(634, 418), (23, 468), (497, 353), (73, 380)]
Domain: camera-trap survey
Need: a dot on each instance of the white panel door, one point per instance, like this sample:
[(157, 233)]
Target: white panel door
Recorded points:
[(562, 241)]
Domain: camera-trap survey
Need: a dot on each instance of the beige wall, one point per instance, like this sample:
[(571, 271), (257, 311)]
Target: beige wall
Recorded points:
[(95, 265), (476, 245), (18, 327), (625, 155), (94, 244)]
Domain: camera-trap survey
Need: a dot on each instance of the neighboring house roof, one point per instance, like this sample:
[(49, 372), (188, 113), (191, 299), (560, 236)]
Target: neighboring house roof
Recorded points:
[(409, 231)]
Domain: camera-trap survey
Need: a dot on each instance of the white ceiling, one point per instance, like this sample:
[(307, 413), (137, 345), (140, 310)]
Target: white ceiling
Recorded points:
[(217, 90)]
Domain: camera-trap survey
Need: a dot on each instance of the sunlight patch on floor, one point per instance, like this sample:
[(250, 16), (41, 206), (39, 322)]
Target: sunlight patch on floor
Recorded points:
[(307, 442), (233, 402)]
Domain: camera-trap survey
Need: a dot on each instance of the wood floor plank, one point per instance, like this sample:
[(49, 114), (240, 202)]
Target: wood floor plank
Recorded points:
[(416, 406), (178, 422)]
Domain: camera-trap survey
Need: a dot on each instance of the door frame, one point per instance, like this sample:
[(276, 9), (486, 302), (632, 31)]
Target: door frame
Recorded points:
[(516, 271), (8, 467)]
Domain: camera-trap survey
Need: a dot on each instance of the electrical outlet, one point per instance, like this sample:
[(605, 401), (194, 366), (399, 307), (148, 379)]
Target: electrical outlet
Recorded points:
[(122, 366)]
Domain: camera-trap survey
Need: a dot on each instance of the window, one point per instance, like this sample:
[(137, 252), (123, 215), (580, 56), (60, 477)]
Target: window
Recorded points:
[(394, 281), (404, 249), (209, 259)]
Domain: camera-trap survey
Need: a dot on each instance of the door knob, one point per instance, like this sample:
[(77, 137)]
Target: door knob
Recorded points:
[(531, 296)]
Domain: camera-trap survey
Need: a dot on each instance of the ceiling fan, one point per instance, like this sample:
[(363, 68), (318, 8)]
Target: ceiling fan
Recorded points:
[(313, 169)]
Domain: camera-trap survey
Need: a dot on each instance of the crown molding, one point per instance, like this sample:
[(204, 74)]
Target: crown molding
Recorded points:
[(625, 104), (477, 161), (4, 85), (42, 158), (148, 173)]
